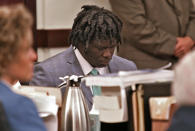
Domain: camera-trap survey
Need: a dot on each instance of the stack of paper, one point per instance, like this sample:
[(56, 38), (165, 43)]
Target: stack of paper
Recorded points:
[(113, 108), (125, 79), (46, 99)]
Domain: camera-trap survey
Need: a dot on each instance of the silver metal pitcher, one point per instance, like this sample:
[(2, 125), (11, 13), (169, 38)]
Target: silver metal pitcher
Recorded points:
[(75, 113)]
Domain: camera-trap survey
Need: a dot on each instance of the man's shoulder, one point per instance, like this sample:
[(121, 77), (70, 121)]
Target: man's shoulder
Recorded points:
[(122, 60), (58, 59), (123, 63), (47, 73)]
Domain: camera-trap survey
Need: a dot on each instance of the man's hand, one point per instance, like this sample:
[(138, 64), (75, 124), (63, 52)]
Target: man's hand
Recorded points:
[(183, 46)]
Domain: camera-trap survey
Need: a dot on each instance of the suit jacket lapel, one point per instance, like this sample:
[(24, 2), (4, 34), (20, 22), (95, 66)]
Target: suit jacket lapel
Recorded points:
[(77, 70), (182, 9), (177, 8), (72, 60)]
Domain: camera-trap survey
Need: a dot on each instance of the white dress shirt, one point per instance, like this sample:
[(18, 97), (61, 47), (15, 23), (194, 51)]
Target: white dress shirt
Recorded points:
[(17, 85), (86, 67)]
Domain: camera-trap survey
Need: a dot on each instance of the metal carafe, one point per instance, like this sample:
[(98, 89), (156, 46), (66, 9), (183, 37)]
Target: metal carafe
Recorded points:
[(75, 113)]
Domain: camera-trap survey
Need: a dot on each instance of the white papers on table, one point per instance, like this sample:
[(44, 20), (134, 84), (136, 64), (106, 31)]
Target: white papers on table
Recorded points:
[(46, 104), (106, 102), (125, 79), (111, 109)]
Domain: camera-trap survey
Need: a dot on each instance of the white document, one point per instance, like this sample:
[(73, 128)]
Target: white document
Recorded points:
[(111, 116), (45, 102), (110, 110), (124, 79), (106, 102)]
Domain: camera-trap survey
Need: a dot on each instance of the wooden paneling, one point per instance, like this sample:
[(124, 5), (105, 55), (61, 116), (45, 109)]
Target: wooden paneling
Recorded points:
[(31, 5), (53, 38), (8, 2), (42, 38)]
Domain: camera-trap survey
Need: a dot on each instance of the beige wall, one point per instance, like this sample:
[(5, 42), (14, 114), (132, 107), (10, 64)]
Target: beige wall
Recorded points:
[(59, 14)]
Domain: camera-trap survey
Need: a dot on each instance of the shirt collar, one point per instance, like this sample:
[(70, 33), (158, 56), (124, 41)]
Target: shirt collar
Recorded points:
[(86, 67)]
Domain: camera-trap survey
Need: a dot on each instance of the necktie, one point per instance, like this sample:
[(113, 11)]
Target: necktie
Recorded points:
[(96, 89)]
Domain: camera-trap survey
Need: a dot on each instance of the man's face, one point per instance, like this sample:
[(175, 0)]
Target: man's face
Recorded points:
[(21, 68), (98, 54)]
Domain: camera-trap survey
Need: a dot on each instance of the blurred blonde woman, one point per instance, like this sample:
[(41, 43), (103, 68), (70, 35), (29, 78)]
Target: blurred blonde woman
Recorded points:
[(16, 63)]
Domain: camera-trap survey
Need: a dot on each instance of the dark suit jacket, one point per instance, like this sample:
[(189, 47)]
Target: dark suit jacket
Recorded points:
[(151, 27), (183, 119), (47, 73), (20, 111)]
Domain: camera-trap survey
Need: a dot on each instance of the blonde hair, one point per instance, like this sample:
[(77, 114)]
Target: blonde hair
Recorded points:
[(15, 20)]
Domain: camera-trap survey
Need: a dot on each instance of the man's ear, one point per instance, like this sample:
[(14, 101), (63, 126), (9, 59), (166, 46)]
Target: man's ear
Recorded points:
[(85, 50)]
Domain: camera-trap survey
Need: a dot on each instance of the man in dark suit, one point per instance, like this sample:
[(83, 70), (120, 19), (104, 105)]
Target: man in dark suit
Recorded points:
[(156, 32), (95, 35), (16, 63)]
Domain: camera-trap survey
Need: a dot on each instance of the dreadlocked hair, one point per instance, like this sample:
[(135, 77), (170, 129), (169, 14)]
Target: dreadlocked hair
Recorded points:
[(94, 23)]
